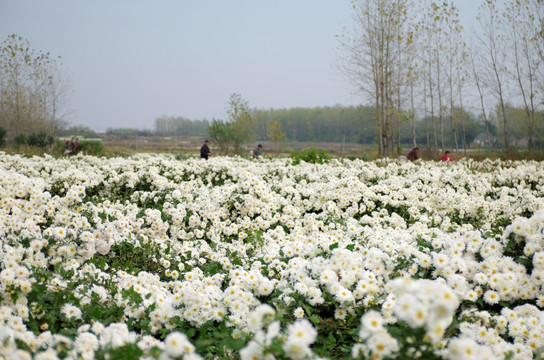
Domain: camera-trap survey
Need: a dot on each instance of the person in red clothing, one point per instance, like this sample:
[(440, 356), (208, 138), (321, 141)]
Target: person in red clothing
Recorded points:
[(447, 157), (412, 155)]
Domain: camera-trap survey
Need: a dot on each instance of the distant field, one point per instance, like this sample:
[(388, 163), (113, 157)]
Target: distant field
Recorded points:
[(190, 146)]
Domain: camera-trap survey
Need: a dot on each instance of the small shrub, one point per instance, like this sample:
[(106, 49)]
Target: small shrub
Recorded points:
[(311, 155), (20, 140), (92, 147), (40, 140), (2, 137)]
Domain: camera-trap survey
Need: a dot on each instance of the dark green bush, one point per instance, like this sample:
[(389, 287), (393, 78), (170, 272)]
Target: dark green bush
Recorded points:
[(311, 155), (2, 136), (40, 140), (20, 140), (91, 147)]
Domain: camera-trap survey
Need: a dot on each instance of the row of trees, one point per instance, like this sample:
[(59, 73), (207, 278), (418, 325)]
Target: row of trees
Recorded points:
[(412, 60), (179, 126), (358, 125), (34, 92), (341, 124)]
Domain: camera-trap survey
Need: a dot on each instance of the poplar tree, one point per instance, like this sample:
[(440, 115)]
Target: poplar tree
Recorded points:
[(34, 92)]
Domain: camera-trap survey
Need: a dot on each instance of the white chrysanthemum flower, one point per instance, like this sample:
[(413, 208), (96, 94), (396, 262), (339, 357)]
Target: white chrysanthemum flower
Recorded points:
[(301, 331), (21, 355), (296, 349), (86, 344), (299, 312), (176, 344), (466, 348), (480, 278), (252, 351), (49, 354), (381, 345), (372, 321), (59, 233), (71, 311), (491, 297), (471, 295)]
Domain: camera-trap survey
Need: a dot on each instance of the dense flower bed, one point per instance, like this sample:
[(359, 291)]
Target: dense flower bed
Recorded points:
[(150, 257)]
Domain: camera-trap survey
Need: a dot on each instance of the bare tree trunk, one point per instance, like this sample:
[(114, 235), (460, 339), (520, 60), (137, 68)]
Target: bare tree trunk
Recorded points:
[(433, 119), (477, 81), (452, 120), (440, 107), (413, 115), (425, 114), (522, 24), (397, 113), (496, 57), (463, 117), (460, 82)]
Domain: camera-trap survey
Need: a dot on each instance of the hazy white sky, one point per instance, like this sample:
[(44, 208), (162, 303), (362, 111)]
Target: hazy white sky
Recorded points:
[(131, 61)]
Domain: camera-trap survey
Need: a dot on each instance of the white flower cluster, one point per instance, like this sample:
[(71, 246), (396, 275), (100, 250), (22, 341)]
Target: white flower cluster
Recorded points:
[(378, 342), (229, 237), (422, 303), (89, 338)]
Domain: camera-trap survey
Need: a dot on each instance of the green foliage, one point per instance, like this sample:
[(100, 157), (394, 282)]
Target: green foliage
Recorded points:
[(514, 249), (311, 155), (92, 147), (223, 134), (126, 256), (40, 140), (240, 117), (230, 134), (125, 352), (2, 136), (21, 140), (275, 133)]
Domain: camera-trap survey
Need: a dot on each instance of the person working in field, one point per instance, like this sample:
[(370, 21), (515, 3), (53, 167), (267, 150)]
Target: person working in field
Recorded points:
[(447, 157), (412, 155), (205, 152), (258, 151)]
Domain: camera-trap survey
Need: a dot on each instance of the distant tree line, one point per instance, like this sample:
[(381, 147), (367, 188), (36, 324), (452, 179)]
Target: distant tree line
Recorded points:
[(320, 124), (180, 126), (349, 124)]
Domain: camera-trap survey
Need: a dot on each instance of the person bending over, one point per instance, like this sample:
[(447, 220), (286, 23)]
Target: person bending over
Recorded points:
[(257, 152)]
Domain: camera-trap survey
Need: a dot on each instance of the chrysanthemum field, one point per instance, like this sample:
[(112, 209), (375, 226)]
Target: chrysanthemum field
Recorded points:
[(149, 257)]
